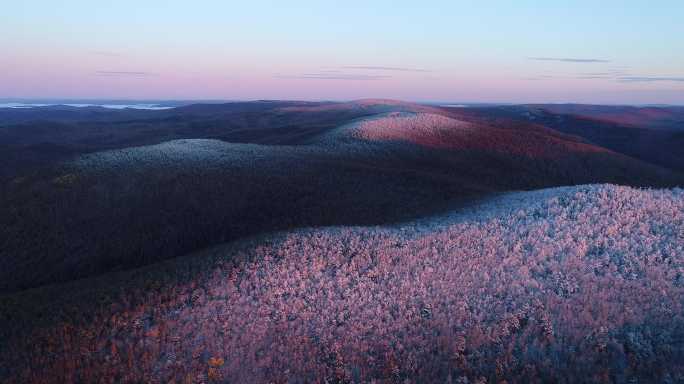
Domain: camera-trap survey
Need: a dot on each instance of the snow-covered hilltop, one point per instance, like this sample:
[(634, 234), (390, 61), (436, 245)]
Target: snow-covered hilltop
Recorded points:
[(563, 285)]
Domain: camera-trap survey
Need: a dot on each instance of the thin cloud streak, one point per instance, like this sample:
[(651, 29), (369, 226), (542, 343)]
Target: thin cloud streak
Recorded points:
[(542, 77), (617, 76), (648, 79), (383, 68), (568, 60), (334, 76), (106, 53), (125, 73), (609, 74)]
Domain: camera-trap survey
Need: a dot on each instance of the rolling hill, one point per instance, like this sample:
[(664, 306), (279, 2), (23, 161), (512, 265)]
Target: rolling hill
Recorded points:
[(112, 201), (557, 285), (654, 137)]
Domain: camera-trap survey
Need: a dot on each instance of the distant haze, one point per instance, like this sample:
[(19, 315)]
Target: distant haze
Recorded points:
[(612, 52), (109, 106)]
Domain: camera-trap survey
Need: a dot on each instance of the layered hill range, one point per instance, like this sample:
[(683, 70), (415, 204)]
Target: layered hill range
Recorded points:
[(278, 241), (89, 190)]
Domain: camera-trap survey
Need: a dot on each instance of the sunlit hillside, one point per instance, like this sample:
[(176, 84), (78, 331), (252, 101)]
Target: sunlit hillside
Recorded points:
[(556, 285)]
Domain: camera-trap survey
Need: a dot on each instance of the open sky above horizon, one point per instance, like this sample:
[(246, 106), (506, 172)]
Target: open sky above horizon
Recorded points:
[(610, 52)]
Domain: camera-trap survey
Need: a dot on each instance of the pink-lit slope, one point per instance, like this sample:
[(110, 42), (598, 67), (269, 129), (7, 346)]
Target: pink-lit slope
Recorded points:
[(562, 285)]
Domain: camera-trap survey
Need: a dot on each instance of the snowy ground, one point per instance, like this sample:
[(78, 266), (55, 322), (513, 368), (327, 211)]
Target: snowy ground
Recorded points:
[(402, 126), (197, 153), (559, 285), (381, 131)]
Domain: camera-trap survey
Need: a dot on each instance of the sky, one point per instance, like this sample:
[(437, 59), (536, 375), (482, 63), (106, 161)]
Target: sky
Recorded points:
[(607, 52)]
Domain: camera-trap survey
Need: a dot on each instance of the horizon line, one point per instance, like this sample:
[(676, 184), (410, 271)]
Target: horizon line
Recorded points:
[(75, 100)]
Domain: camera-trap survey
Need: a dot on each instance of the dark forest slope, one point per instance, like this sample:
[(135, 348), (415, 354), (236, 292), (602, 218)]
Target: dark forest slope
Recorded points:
[(115, 195)]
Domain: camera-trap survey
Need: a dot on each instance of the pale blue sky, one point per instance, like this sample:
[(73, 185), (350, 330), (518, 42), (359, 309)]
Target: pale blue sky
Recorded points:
[(515, 51)]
